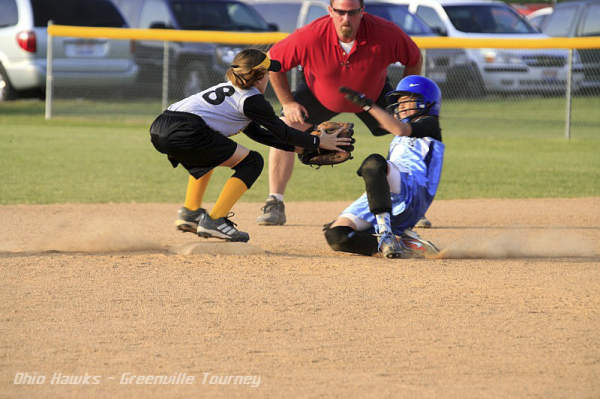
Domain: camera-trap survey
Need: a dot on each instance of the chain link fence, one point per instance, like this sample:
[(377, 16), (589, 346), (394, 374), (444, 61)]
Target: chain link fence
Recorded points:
[(537, 92), (512, 91)]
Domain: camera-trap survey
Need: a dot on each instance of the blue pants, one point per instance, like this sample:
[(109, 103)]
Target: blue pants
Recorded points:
[(408, 207)]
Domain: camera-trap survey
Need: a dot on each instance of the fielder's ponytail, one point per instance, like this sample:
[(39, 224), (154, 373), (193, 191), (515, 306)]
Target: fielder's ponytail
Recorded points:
[(246, 69)]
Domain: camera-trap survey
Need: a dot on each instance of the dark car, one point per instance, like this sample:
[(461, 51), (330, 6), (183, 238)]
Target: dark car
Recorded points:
[(192, 66), (290, 15), (399, 14), (578, 19)]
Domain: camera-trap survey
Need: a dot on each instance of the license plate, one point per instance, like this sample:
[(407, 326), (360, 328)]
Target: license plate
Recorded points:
[(549, 74), (85, 49)]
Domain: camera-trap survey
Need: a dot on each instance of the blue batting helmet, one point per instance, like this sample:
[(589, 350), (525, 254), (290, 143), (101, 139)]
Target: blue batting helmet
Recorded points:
[(425, 91)]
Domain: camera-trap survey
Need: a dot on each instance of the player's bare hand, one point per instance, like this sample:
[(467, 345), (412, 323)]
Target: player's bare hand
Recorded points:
[(333, 142), (294, 112)]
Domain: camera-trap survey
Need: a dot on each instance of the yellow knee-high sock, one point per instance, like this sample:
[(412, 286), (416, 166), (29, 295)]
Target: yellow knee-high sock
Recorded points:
[(195, 191), (232, 192)]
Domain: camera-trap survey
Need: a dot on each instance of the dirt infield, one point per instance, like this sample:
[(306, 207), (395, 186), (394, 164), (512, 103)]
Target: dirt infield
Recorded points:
[(92, 293)]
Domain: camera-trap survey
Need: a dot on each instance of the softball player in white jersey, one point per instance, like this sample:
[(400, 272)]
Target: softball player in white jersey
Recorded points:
[(195, 132)]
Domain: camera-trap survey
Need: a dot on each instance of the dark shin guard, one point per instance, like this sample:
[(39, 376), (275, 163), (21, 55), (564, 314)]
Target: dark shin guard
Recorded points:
[(249, 168), (374, 170), (345, 239)]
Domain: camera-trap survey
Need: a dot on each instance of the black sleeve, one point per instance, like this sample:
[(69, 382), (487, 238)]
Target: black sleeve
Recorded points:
[(263, 136), (428, 126), (260, 111)]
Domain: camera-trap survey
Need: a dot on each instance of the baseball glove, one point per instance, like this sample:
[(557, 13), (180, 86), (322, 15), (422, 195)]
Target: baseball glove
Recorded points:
[(320, 156)]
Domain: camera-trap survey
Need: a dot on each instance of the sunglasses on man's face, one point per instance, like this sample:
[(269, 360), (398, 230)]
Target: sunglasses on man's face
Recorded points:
[(351, 13)]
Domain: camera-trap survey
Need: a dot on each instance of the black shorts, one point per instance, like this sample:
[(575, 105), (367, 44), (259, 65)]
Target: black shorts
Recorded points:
[(317, 113), (187, 140)]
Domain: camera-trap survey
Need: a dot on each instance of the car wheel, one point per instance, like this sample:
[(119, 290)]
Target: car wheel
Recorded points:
[(7, 92), (193, 79)]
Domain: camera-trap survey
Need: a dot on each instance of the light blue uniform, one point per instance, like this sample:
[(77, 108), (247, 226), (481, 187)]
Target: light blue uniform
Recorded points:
[(417, 164)]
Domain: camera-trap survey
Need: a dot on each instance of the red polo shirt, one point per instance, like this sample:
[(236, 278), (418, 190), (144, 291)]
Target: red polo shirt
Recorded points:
[(316, 47)]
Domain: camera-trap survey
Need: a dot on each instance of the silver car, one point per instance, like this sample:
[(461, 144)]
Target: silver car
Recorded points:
[(89, 63), (482, 70), (579, 18)]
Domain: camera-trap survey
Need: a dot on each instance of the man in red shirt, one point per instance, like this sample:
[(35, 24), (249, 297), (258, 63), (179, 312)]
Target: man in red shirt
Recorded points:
[(346, 48)]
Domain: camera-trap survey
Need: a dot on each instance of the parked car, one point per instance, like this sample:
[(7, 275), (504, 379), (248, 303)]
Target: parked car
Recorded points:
[(411, 24), (437, 61), (478, 71), (578, 19), (77, 62), (192, 66), (538, 17), (290, 15)]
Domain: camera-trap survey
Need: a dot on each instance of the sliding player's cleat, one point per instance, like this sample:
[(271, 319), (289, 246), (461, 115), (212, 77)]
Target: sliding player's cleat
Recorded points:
[(417, 247), (389, 247)]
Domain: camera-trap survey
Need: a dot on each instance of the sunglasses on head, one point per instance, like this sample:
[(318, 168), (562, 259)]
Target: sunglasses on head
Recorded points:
[(351, 13)]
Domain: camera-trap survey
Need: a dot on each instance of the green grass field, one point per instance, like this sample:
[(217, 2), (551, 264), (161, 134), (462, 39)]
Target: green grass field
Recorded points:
[(94, 161)]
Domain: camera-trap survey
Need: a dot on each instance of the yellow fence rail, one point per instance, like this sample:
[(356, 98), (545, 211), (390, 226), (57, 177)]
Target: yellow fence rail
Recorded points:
[(274, 37)]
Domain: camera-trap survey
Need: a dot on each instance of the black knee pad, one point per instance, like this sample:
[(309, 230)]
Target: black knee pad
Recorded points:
[(374, 164), (374, 171), (337, 236), (345, 239), (249, 168)]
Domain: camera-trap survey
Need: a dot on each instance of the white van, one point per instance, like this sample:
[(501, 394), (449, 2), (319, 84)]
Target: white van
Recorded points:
[(77, 62)]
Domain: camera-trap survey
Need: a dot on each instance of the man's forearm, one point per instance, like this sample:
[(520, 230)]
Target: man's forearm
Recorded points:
[(413, 70), (281, 85)]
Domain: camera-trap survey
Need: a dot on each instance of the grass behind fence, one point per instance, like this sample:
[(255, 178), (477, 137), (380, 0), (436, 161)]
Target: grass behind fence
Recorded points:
[(99, 161)]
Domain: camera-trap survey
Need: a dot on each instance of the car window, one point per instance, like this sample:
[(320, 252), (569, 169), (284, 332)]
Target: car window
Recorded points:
[(400, 16), (282, 14), (510, 22), (487, 19), (154, 11), (538, 21), (98, 13), (560, 22), (591, 23), (315, 12), (217, 15), (8, 13), (130, 9), (243, 16), (431, 17)]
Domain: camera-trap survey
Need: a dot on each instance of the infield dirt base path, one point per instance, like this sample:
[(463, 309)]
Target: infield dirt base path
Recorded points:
[(510, 310)]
